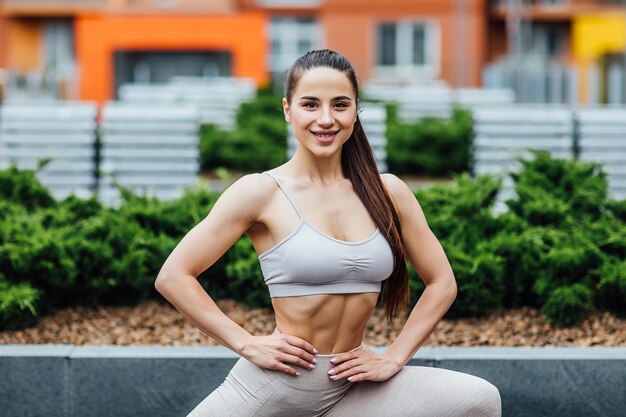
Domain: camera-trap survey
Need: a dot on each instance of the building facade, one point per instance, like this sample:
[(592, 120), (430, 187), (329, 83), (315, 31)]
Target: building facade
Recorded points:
[(558, 50), (86, 48)]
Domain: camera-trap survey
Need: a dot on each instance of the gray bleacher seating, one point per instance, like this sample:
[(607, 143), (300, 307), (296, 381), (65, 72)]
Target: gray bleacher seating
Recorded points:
[(414, 101), (474, 98), (503, 134), (418, 100), (62, 131), (602, 139), (374, 120), (150, 149), (218, 98)]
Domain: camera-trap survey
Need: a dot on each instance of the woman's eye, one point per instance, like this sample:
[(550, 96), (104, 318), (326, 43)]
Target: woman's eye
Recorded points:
[(341, 105), (309, 104)]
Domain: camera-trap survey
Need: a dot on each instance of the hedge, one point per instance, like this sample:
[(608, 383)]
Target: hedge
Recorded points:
[(430, 147), (561, 246)]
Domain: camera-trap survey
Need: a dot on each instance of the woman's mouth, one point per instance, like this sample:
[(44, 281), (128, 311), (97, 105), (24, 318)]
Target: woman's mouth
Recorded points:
[(325, 136)]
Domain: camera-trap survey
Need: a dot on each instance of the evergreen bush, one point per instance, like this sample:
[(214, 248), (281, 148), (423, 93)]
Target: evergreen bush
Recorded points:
[(430, 146), (561, 246), (258, 143), (17, 305), (568, 305)]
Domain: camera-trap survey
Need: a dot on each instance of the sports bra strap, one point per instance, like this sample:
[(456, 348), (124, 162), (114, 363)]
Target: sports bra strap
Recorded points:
[(285, 193)]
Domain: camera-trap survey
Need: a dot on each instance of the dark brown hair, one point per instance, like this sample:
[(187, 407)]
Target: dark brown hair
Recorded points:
[(359, 166)]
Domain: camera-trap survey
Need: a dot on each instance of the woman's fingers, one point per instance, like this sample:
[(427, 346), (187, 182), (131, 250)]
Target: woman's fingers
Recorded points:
[(278, 351), (349, 373), (301, 353), (302, 344), (279, 366), (342, 370), (343, 357), (296, 360)]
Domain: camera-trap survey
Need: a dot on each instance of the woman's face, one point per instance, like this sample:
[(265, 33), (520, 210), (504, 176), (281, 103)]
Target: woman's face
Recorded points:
[(323, 110)]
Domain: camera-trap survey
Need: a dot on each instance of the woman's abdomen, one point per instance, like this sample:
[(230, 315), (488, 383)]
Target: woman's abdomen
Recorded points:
[(331, 322)]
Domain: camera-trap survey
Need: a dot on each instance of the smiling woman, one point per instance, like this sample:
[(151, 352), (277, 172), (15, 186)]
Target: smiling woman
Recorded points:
[(329, 115), (332, 236)]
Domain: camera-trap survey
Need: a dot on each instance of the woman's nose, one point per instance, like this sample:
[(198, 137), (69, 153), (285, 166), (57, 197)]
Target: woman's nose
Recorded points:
[(325, 118)]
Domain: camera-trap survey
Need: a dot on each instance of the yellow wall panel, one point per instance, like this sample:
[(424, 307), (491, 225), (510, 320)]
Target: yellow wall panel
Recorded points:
[(596, 34)]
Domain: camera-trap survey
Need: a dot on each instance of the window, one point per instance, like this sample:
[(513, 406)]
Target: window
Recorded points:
[(408, 48), (58, 48), (290, 38)]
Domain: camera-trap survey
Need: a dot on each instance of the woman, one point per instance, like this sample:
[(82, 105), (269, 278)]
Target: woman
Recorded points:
[(331, 233)]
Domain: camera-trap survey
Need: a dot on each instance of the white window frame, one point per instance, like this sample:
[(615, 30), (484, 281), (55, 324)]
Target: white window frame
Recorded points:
[(288, 33), (58, 52), (404, 43)]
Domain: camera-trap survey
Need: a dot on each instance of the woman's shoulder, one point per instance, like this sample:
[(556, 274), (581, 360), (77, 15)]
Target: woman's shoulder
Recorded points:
[(398, 189), (253, 188), (394, 185)]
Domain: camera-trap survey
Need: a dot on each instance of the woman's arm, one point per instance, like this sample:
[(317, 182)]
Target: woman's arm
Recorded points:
[(233, 213), (429, 260)]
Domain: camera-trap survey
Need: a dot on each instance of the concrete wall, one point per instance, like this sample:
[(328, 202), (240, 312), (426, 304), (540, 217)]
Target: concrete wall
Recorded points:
[(103, 381)]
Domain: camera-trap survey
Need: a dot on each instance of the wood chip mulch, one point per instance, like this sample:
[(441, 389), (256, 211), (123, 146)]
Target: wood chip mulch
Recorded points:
[(158, 323)]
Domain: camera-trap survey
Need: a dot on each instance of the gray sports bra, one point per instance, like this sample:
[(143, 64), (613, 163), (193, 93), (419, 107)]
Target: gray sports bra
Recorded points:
[(308, 262)]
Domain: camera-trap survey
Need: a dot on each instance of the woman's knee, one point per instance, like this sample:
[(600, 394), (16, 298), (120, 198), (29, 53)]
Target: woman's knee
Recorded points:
[(487, 401)]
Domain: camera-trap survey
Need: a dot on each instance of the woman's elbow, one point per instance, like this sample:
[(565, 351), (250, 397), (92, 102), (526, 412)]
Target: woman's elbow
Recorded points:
[(451, 287), (163, 279)]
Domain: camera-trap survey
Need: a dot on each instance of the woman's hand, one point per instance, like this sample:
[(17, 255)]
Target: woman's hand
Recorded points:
[(363, 365), (276, 350)]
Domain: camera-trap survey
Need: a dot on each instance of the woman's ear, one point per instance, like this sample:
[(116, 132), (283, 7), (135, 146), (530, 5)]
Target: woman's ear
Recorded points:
[(286, 110)]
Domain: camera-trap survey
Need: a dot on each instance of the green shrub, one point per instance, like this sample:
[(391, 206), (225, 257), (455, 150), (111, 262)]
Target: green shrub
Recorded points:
[(572, 259), (33, 254), (246, 281), (617, 208), (17, 305), (611, 288), (561, 247), (69, 211), (430, 146), (22, 187), (568, 305), (479, 277), (259, 142), (551, 190), (461, 212), (174, 217), (460, 216)]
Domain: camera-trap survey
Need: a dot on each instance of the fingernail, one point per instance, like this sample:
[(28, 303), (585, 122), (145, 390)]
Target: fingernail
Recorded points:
[(314, 360), (333, 360), (350, 378), (311, 366), (297, 373), (315, 351), (332, 371), (333, 376)]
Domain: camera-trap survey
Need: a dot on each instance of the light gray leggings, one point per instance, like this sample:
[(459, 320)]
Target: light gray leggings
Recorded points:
[(415, 391)]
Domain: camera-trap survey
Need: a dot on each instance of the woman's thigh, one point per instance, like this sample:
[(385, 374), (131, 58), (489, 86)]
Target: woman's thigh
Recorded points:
[(418, 391)]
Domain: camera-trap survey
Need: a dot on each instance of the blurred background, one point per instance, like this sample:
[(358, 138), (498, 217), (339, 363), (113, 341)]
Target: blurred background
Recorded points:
[(121, 121), (544, 50)]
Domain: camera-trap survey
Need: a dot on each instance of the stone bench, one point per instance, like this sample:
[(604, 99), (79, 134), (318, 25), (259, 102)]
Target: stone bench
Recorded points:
[(121, 381)]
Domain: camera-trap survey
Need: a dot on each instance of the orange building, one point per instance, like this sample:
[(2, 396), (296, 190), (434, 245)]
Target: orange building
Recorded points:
[(398, 39), (99, 44), (93, 46)]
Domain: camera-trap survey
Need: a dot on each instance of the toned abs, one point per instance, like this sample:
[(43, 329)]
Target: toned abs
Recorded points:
[(330, 322)]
